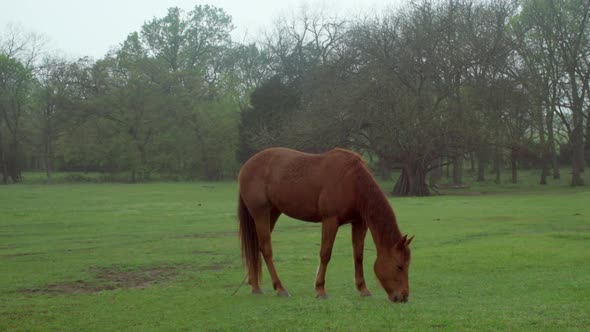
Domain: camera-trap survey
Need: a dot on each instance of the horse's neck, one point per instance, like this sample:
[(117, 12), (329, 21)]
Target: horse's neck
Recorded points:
[(377, 214)]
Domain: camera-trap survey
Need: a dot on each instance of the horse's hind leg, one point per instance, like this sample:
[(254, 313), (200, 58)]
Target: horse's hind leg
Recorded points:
[(265, 220), (274, 216), (329, 229), (359, 230)]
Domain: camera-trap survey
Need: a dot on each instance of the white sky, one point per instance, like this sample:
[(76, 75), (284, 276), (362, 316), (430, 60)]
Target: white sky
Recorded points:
[(91, 27)]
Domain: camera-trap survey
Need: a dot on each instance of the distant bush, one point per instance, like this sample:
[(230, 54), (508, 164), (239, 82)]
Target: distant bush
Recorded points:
[(79, 177)]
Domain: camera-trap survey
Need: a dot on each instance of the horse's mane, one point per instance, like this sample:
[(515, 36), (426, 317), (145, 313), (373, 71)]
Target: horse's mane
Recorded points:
[(374, 207)]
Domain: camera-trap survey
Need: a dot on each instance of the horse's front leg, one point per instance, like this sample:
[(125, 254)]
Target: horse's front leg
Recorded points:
[(359, 230), (329, 230)]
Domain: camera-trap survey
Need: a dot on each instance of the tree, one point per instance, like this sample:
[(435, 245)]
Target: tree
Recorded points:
[(540, 75), (15, 85), (189, 44), (488, 49), (408, 83), (260, 125), (18, 53), (287, 108), (563, 28), (57, 98), (135, 102)]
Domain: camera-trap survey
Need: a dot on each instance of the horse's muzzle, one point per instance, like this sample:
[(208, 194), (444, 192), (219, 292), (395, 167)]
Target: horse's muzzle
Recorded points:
[(399, 298)]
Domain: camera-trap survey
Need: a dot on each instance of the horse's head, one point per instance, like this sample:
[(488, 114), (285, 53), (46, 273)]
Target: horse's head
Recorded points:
[(392, 270)]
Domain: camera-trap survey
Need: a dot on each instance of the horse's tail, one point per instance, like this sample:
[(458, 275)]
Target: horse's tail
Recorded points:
[(249, 240)]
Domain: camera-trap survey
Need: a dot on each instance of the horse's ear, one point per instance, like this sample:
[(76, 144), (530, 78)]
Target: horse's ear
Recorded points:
[(402, 242), (409, 241)]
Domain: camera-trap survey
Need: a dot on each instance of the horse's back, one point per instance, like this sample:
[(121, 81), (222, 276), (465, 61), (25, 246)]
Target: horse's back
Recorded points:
[(283, 164), (302, 185)]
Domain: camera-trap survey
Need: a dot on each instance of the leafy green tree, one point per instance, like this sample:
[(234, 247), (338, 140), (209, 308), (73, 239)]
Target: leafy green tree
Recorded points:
[(262, 123), (15, 87), (136, 103), (196, 50), (57, 98)]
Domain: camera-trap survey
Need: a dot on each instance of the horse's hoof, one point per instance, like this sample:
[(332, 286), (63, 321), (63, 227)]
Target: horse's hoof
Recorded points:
[(366, 293), (284, 294), (257, 291), (322, 297)]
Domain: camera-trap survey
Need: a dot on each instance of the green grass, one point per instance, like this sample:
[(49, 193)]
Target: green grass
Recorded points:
[(165, 256)]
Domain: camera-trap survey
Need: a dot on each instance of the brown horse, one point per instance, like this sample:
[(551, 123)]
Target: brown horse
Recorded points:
[(333, 188)]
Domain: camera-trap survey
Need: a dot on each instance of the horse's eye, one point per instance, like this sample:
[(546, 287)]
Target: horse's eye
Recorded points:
[(401, 268)]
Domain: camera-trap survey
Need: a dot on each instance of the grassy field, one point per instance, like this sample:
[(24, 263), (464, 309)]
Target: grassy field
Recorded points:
[(165, 256)]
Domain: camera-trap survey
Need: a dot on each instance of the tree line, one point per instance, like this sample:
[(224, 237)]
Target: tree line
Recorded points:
[(423, 88)]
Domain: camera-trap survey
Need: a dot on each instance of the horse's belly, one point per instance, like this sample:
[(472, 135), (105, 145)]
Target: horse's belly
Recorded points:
[(296, 204), (303, 215)]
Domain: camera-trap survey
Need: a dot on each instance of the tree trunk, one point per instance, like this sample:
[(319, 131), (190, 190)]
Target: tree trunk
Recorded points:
[(48, 160), (481, 170), (412, 181), (482, 160), (513, 165), (13, 158), (577, 137), (577, 152), (587, 152), (544, 151), (498, 165), (457, 170), (577, 144), (436, 172), (550, 132), (13, 163), (551, 146), (49, 168), (144, 171), (3, 167)]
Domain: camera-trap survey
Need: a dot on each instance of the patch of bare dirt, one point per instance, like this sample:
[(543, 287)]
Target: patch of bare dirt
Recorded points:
[(108, 279), (21, 254), (72, 287), (218, 265), (215, 267), (134, 279), (205, 252)]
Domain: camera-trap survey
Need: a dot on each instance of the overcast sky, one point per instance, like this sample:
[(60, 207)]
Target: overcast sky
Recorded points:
[(91, 27)]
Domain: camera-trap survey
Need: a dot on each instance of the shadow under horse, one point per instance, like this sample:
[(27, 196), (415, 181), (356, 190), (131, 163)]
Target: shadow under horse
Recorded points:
[(333, 188)]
